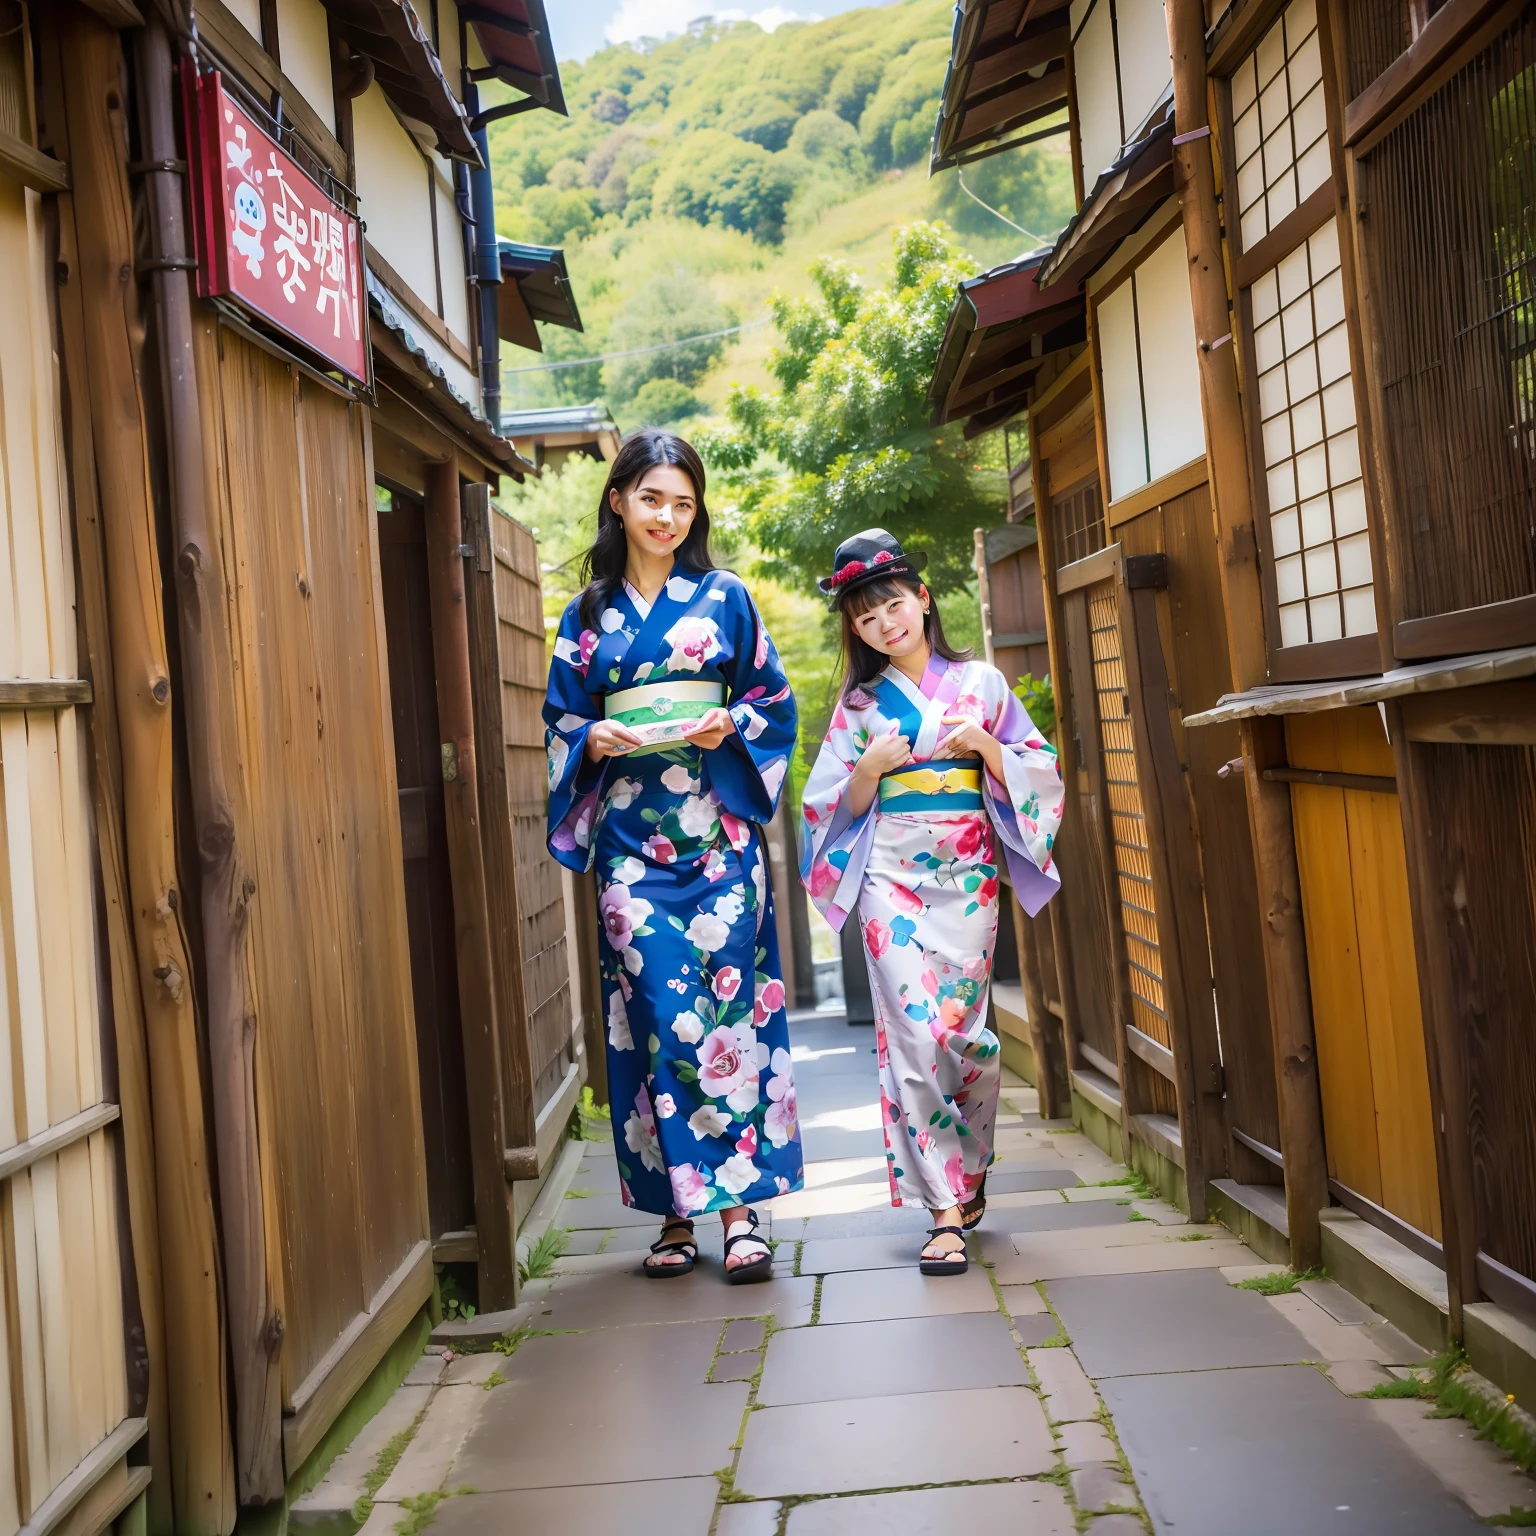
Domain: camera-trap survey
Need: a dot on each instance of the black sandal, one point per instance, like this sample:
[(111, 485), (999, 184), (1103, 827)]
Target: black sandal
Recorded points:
[(975, 1208), (683, 1245), (752, 1269), (946, 1263)]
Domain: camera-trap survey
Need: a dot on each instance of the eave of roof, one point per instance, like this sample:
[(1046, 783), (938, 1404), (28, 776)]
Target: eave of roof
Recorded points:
[(1123, 196), (429, 379), (388, 34), (591, 417), (514, 35), (541, 277), (1002, 329), (1007, 70)]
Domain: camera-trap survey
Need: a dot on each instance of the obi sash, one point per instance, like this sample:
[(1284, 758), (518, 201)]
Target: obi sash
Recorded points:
[(933, 787), (659, 712)]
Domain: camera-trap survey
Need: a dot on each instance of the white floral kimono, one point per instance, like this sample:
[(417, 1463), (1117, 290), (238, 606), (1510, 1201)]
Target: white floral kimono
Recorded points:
[(920, 868)]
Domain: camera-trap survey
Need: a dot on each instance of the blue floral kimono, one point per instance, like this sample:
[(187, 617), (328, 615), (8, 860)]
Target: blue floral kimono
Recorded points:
[(702, 1092)]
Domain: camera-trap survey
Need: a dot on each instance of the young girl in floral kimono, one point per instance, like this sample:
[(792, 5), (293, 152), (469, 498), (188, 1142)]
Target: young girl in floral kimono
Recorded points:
[(929, 765), (669, 727)]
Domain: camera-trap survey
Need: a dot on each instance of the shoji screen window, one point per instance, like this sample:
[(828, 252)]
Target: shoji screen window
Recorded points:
[(1311, 447), (1279, 125)]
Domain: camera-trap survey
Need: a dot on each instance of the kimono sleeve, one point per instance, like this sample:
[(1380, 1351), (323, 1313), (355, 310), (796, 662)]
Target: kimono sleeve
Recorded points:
[(1027, 807), (834, 844), (748, 769), (575, 781)]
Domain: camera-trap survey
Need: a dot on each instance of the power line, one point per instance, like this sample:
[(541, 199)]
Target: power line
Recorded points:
[(1039, 239), (662, 346)]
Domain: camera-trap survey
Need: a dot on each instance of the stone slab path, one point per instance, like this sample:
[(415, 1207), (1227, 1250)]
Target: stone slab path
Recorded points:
[(1097, 1370)]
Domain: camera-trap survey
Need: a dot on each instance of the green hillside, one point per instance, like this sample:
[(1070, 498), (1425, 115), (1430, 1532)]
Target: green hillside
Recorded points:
[(697, 176)]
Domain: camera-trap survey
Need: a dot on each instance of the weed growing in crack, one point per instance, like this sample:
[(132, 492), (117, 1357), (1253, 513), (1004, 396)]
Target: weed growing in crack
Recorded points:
[(383, 1464), (1281, 1283), (541, 1257)]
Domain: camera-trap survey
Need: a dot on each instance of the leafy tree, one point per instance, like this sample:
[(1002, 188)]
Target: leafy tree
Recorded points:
[(713, 177), (844, 443), (658, 402), (1031, 186), (896, 126), (673, 304)]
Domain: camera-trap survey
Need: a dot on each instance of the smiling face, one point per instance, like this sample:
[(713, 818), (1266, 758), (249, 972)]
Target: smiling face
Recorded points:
[(893, 623), (657, 511)]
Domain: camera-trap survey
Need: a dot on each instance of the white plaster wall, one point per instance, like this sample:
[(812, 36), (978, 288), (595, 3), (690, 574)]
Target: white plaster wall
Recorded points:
[(304, 46), (248, 14), (450, 250), (1098, 102), (1170, 365), (1145, 65), (1120, 377), (394, 194)]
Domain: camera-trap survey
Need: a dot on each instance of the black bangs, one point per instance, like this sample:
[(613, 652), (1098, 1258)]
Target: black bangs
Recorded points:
[(862, 663), (870, 594)]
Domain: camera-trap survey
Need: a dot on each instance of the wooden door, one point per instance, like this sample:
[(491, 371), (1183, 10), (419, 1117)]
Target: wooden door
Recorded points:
[(64, 1411), (1360, 958), (424, 847)]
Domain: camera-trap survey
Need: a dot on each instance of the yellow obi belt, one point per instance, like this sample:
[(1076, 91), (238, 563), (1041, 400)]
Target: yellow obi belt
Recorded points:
[(929, 787), (658, 713)]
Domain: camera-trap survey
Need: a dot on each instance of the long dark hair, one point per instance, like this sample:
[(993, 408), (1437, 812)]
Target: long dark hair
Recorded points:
[(863, 663), (602, 567)]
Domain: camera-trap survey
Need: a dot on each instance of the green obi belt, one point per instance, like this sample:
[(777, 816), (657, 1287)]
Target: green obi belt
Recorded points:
[(659, 713), (929, 787)]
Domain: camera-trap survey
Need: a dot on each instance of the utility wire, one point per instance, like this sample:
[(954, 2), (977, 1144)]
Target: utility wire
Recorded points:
[(661, 346), (1038, 239)]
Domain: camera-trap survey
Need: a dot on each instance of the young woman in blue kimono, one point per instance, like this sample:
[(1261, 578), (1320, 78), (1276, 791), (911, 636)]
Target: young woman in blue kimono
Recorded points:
[(669, 724), (929, 766)]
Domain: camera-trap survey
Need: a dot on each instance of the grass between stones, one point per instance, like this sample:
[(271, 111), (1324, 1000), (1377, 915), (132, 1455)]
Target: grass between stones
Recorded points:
[(1282, 1283), (383, 1464), (542, 1255), (1458, 1392)]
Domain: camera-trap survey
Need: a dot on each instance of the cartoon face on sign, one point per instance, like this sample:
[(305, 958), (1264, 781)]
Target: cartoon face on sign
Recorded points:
[(250, 219)]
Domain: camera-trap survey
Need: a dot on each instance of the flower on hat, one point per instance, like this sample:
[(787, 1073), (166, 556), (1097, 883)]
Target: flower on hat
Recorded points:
[(883, 556), (848, 572)]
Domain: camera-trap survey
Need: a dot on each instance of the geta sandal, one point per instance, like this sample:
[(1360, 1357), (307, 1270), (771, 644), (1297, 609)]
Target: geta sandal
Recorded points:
[(750, 1269), (663, 1244), (953, 1262)]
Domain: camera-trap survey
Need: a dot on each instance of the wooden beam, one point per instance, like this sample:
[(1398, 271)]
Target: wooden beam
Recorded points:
[(44, 692), (1492, 627), (530, 1162), (1052, 1083), (1173, 852), (1450, 999), (120, 597), (117, 13), (1494, 715), (1221, 404), (1290, 995), (1016, 57), (214, 771), (466, 858), (78, 1482), (19, 161), (503, 911), (1178, 482), (346, 1365), (1302, 221), (61, 1134), (1101, 565)]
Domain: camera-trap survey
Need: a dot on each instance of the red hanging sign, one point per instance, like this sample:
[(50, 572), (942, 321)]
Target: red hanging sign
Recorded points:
[(267, 235)]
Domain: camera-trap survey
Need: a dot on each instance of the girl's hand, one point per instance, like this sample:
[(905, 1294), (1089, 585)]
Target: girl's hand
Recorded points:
[(968, 737), (710, 729), (884, 755), (607, 738)]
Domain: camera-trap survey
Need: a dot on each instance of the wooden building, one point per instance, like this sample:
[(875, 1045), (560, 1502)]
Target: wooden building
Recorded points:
[(287, 989), (1283, 492)]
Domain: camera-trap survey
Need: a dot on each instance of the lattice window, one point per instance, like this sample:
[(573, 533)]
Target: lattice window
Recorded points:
[(1079, 517), (1128, 822), (1311, 446), (1279, 125)]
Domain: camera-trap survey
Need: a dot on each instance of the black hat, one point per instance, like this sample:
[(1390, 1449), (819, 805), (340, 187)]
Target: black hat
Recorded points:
[(866, 556)]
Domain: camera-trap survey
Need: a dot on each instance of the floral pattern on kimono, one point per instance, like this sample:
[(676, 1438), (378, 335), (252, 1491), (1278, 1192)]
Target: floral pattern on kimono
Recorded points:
[(924, 883), (701, 1087)]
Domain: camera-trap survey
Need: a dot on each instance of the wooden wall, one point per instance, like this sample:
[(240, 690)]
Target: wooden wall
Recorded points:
[(63, 1381), (1361, 959), (342, 1154), (546, 974)]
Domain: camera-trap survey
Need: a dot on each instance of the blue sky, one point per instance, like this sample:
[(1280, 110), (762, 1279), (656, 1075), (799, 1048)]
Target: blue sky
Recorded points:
[(581, 27)]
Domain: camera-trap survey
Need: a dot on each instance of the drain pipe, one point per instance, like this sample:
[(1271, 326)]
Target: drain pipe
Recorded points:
[(207, 683), (486, 269)]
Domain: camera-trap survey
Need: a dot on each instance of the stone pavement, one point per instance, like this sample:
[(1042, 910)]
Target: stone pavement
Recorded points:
[(1097, 1370)]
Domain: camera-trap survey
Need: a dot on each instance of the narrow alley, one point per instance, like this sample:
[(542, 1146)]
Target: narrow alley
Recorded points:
[(1101, 1368)]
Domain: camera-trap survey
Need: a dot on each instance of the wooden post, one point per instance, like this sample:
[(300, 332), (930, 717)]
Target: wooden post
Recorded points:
[(120, 598), (503, 910), (213, 753), (1436, 916), (1174, 856), (1052, 1084), (1290, 995), (466, 859), (1226, 442)]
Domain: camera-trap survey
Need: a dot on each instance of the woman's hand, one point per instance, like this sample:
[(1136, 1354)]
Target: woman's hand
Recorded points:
[(883, 755), (607, 738), (710, 729), (968, 737)]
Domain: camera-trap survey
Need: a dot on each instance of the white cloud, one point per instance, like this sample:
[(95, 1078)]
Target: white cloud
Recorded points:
[(637, 19)]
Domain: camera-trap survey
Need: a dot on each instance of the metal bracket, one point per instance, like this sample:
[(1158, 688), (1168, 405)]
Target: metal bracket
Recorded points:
[(1192, 135)]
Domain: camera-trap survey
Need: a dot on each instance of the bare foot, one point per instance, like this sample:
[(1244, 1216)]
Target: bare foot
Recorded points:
[(946, 1242)]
